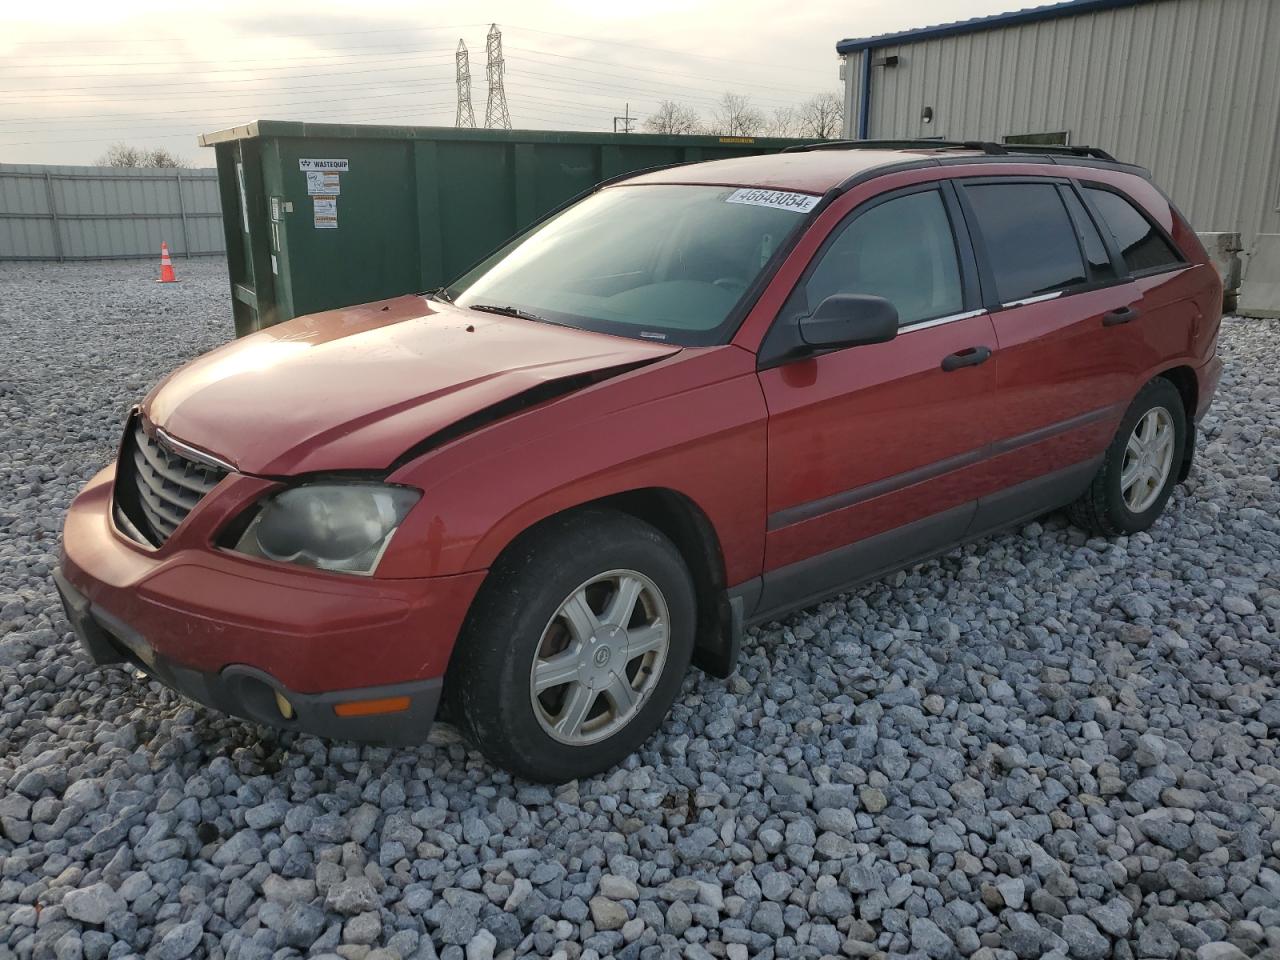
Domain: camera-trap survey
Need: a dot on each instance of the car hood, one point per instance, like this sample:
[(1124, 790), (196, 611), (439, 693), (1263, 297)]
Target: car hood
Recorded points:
[(354, 389)]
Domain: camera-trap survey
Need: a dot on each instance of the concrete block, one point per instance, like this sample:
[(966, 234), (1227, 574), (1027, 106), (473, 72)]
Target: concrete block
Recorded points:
[(1224, 250), (1260, 290)]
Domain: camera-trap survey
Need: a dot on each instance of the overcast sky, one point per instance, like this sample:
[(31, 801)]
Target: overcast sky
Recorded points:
[(76, 76)]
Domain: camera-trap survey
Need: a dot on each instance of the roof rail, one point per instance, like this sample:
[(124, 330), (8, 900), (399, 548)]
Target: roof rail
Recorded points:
[(1059, 149), (988, 147), (885, 145)]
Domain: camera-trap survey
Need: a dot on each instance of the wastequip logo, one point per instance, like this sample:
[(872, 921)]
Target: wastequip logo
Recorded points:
[(307, 163)]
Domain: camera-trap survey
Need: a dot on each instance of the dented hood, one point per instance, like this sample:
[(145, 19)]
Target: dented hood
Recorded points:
[(355, 388)]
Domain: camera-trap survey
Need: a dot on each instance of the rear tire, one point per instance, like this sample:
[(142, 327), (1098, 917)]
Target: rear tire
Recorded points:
[(575, 648), (1139, 469)]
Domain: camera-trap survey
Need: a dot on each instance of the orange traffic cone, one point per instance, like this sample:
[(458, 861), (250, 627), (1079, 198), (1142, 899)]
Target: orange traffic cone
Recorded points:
[(166, 265)]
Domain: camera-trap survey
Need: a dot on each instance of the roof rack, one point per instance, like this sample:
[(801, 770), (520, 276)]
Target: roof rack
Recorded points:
[(1059, 149), (988, 147)]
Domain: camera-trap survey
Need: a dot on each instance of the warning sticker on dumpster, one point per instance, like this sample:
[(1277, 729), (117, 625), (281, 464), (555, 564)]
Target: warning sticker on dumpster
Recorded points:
[(313, 164), (779, 199), (323, 183), (326, 213)]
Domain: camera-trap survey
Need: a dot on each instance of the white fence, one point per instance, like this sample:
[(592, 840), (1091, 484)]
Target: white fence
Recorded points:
[(107, 213)]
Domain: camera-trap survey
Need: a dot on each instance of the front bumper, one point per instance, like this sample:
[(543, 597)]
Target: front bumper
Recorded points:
[(253, 694), (234, 632)]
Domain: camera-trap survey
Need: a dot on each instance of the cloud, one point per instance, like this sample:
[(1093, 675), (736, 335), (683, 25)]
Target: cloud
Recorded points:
[(70, 85)]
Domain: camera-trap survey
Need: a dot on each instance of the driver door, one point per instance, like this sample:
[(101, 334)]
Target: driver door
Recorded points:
[(874, 451)]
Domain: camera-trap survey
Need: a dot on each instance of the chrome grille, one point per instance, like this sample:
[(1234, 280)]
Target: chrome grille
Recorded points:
[(156, 488)]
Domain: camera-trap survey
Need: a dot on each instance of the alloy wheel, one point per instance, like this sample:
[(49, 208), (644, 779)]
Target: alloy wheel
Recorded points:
[(599, 657), (1148, 460)]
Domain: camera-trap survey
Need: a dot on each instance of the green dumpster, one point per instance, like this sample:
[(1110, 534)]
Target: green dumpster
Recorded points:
[(321, 215)]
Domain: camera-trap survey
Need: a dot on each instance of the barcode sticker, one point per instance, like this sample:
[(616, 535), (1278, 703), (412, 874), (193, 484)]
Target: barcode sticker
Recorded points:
[(779, 199)]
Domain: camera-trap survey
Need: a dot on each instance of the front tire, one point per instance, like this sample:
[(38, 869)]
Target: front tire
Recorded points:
[(575, 648), (1140, 468)]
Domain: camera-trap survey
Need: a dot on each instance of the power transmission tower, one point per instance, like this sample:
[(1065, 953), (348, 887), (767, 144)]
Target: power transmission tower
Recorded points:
[(495, 110), (466, 116)]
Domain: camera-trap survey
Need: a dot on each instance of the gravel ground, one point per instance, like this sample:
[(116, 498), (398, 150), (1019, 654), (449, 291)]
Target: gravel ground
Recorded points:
[(1038, 746)]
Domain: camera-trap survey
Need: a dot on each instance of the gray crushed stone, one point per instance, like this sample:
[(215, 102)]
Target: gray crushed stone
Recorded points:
[(1043, 745)]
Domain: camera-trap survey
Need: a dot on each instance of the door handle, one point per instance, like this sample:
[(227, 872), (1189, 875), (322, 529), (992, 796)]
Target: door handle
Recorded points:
[(1119, 316), (969, 357)]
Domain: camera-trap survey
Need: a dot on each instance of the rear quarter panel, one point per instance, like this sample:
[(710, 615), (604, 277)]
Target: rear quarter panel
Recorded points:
[(694, 424)]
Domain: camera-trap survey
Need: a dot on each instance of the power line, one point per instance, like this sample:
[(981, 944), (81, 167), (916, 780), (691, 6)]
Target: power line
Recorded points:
[(135, 121), (670, 92), (553, 118), (199, 83), (254, 98), (297, 61), (668, 73), (419, 58), (580, 84), (274, 86), (639, 46), (402, 87), (405, 87), (191, 131), (287, 36), (253, 95), (344, 59), (239, 110), (169, 89), (406, 30)]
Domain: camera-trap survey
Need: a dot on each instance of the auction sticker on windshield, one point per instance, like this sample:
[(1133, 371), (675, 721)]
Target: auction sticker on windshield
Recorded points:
[(780, 199)]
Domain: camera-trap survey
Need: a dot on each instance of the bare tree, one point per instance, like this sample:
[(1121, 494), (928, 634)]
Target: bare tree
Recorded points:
[(821, 116), (160, 157), (736, 116), (785, 122), (124, 155), (672, 117)]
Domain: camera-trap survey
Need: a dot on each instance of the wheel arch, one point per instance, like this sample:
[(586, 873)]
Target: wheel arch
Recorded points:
[(1185, 381), (686, 525)]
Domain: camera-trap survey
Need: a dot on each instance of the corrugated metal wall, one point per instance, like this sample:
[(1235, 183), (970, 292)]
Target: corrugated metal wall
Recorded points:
[(1188, 88), (105, 213)]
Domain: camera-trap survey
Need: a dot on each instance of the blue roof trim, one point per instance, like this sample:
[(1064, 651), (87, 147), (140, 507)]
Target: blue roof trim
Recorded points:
[(1049, 11)]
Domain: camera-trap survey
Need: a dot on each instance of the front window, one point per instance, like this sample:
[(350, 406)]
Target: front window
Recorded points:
[(661, 262), (902, 250)]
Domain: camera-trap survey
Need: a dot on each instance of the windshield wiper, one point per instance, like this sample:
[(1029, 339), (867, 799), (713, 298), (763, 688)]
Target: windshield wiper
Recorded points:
[(439, 293), (508, 311)]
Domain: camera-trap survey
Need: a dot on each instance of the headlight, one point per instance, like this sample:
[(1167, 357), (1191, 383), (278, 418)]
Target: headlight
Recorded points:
[(332, 525)]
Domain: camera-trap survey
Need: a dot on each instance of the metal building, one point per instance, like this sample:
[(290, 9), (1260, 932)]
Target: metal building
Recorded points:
[(1190, 89)]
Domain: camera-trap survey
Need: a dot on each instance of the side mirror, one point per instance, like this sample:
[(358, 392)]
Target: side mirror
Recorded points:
[(849, 320)]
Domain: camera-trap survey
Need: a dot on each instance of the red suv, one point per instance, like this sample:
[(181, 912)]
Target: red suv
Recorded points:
[(694, 400)]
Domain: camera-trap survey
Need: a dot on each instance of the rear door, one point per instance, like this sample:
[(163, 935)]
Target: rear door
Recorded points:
[(873, 449), (1061, 308)]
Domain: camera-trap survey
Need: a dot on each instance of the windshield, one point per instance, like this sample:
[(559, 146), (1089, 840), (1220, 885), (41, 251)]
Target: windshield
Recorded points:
[(662, 262)]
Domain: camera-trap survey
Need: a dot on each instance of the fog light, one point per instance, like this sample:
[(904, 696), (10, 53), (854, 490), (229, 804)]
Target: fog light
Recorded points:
[(364, 708), (284, 706)]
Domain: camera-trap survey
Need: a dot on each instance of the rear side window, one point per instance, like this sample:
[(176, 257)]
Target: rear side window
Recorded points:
[(1101, 269), (903, 250), (1141, 244), (1030, 240)]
